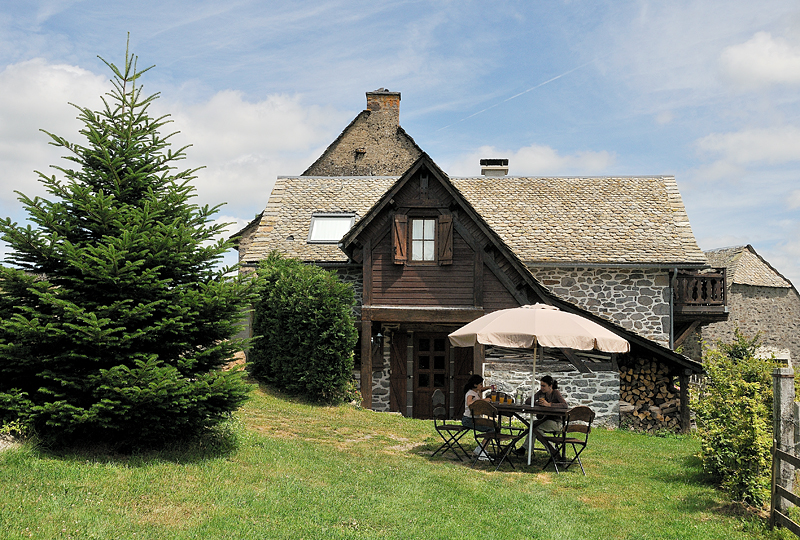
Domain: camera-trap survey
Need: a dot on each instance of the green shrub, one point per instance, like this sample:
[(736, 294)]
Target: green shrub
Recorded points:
[(734, 419), (305, 330)]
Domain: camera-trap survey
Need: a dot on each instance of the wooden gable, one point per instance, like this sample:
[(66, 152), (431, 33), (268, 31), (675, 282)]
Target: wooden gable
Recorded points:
[(462, 267)]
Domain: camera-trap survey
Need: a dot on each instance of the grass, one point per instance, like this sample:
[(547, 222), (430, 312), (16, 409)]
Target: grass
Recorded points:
[(285, 469)]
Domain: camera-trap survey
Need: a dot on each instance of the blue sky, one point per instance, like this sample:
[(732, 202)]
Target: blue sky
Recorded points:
[(706, 90)]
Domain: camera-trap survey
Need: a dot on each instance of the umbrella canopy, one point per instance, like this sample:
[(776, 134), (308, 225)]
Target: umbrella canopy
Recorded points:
[(526, 327)]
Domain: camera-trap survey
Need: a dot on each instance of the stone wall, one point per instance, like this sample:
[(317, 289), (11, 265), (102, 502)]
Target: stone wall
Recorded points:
[(380, 389), (354, 276), (598, 390), (637, 300), (772, 312), (374, 144)]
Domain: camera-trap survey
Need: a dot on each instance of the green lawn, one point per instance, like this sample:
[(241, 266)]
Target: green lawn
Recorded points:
[(285, 469)]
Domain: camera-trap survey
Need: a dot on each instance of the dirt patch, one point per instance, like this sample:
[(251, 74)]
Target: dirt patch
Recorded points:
[(237, 362), (741, 509), (7, 441)]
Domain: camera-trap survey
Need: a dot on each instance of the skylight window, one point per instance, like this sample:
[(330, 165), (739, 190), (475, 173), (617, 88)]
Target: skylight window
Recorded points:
[(329, 228)]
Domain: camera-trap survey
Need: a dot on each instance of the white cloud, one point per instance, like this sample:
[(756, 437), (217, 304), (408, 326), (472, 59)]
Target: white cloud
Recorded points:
[(664, 117), (794, 199), (761, 61), (757, 145), (35, 96), (244, 146), (535, 160)]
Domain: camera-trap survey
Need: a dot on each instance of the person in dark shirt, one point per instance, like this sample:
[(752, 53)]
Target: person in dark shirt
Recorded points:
[(547, 396)]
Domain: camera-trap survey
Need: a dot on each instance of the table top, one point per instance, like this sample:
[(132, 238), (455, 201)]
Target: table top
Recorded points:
[(535, 409)]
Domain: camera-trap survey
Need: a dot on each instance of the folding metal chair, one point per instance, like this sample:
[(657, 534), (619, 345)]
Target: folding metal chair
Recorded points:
[(575, 433), (450, 432), (497, 440)]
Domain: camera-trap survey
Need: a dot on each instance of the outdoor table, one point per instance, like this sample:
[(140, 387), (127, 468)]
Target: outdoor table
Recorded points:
[(518, 409)]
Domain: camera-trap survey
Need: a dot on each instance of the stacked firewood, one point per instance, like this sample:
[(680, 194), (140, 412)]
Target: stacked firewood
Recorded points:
[(647, 400)]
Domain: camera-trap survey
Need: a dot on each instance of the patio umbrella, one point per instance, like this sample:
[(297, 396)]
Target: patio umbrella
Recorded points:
[(526, 326)]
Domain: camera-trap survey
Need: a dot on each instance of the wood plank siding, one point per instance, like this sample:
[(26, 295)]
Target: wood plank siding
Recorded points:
[(422, 285)]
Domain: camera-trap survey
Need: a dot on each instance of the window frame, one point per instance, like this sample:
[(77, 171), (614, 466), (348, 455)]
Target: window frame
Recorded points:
[(339, 215), (434, 241)]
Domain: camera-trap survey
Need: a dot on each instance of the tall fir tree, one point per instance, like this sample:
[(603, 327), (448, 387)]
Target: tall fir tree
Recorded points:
[(116, 319)]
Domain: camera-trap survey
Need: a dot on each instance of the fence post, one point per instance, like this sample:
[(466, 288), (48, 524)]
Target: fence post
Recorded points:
[(783, 425)]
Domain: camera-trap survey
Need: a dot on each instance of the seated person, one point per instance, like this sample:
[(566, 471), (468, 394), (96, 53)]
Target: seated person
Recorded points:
[(547, 396), (473, 392)]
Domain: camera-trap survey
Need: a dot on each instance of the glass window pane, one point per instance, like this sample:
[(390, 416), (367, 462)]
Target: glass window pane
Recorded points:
[(427, 254), (439, 380), (428, 231), (424, 380), (416, 250), (416, 229), (438, 344), (424, 344), (329, 228), (438, 362), (424, 362)]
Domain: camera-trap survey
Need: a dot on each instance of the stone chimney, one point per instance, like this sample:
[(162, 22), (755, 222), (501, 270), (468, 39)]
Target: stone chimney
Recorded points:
[(494, 167), (385, 103)]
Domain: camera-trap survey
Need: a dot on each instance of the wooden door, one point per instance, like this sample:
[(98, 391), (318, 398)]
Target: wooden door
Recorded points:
[(431, 371), (397, 378)]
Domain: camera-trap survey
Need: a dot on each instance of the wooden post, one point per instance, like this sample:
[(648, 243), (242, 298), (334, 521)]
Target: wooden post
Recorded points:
[(686, 420), (782, 425), (366, 364)]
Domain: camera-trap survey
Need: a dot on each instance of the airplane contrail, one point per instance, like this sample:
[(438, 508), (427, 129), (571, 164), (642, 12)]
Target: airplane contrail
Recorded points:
[(520, 94)]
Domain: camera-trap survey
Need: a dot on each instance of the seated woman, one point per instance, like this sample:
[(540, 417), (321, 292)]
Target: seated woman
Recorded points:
[(547, 396), (473, 392)]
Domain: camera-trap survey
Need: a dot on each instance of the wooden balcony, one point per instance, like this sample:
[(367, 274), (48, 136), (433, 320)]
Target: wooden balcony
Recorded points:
[(700, 295)]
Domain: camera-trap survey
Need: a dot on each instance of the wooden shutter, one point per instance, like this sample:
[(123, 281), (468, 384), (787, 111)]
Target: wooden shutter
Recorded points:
[(445, 239), (400, 236)]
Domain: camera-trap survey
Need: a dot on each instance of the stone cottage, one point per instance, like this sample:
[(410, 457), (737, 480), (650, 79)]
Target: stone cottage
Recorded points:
[(427, 253)]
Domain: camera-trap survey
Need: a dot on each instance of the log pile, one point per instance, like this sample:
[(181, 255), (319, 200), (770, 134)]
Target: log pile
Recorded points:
[(646, 400)]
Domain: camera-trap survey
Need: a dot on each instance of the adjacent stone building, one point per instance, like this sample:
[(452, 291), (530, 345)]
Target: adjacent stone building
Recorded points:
[(760, 301)]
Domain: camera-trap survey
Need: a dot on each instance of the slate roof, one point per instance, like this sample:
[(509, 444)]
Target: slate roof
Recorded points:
[(285, 222), (746, 267), (628, 220), (591, 220)]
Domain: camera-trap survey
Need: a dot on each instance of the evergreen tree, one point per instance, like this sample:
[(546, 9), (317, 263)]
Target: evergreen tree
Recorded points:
[(116, 321)]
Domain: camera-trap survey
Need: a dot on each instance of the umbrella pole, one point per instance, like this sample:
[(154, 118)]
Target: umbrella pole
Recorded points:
[(533, 382)]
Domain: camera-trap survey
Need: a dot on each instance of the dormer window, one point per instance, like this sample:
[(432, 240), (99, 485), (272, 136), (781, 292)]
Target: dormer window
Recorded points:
[(329, 228)]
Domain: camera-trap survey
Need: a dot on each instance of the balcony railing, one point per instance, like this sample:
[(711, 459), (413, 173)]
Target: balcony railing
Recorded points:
[(695, 290)]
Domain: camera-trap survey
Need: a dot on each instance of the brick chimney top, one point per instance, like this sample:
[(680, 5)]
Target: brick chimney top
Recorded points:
[(385, 102)]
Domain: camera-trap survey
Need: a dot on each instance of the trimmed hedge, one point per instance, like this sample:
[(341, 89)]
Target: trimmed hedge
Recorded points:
[(304, 330)]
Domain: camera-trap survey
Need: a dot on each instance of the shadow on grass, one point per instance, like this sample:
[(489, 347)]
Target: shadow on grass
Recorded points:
[(218, 442)]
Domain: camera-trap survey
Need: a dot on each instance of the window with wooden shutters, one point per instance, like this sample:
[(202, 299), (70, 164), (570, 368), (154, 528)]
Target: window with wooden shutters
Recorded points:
[(423, 239), (400, 236)]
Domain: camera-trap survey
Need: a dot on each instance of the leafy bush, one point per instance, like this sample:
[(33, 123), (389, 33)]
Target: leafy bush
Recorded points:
[(734, 419), (305, 330), (115, 322)]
